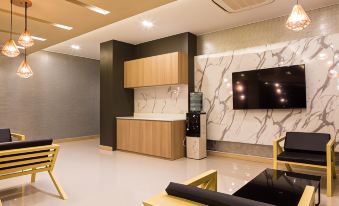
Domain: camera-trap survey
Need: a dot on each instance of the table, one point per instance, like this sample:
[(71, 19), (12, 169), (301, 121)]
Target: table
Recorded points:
[(279, 187)]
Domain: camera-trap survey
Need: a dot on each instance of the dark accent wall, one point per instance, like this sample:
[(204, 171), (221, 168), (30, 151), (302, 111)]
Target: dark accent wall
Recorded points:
[(117, 101), (61, 99), (114, 99)]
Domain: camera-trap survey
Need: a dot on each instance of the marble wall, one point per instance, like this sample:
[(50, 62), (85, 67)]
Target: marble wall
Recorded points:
[(162, 99), (213, 77)]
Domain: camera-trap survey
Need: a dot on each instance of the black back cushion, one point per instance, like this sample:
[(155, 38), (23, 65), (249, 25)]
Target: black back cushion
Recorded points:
[(208, 197), (306, 142), (5, 135), (24, 144)]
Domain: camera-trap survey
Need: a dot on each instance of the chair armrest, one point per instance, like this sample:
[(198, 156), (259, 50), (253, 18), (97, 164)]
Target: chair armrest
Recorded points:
[(279, 139), (277, 149), (19, 137), (206, 180), (307, 198), (330, 143)]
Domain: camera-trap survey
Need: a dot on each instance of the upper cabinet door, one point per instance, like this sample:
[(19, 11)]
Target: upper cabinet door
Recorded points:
[(165, 69)]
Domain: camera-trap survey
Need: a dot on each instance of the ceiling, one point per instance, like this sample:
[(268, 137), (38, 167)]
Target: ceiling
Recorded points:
[(196, 16), (44, 13)]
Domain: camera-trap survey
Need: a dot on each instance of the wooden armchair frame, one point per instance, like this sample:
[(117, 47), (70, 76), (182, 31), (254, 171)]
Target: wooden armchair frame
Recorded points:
[(208, 181), (30, 161), (19, 137), (330, 159)]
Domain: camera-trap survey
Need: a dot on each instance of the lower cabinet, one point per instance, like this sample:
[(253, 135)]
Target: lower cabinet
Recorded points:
[(158, 138)]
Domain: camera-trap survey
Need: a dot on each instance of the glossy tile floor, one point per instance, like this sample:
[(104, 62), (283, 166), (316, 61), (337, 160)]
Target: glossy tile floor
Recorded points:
[(93, 177)]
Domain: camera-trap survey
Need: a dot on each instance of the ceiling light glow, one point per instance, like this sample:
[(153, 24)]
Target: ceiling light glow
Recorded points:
[(147, 24), (73, 46), (63, 26), (38, 38), (98, 10)]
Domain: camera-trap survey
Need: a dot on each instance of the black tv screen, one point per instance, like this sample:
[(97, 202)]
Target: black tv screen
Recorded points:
[(274, 88)]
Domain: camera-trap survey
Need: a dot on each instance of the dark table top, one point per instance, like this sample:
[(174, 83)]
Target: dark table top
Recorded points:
[(278, 187)]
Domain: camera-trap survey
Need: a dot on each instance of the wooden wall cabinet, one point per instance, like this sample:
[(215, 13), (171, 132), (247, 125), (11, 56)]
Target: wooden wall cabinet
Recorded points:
[(157, 138), (165, 69)]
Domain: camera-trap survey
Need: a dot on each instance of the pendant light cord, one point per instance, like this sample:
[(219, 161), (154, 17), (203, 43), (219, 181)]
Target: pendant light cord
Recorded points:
[(25, 16), (11, 18)]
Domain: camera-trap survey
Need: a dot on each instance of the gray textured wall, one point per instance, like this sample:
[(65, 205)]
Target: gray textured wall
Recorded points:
[(60, 100)]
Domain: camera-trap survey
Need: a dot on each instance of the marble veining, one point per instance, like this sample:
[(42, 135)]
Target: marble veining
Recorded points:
[(162, 99), (213, 75)]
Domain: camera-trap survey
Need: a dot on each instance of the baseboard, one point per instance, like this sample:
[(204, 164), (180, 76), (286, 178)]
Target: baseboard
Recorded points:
[(266, 160), (73, 139), (106, 148)]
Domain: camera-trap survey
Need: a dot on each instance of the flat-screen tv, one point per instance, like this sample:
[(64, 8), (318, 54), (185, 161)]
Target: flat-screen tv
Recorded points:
[(273, 88)]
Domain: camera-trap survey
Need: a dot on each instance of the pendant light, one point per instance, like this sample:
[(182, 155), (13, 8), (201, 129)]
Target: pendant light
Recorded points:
[(10, 49), (24, 70), (26, 39), (298, 19)]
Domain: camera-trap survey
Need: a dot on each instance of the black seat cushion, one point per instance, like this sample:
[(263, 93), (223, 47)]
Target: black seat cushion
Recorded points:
[(24, 144), (5, 135), (303, 157), (208, 197), (306, 142)]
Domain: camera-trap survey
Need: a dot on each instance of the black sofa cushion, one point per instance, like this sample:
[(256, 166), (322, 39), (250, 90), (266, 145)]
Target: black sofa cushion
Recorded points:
[(5, 135), (306, 142), (208, 197), (303, 157)]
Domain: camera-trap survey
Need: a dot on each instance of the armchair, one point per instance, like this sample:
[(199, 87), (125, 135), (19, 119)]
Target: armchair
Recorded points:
[(29, 158), (307, 149), (205, 186)]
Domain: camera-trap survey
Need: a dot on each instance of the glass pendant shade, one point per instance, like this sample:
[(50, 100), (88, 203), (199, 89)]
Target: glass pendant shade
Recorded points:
[(298, 19), (10, 49), (24, 70), (26, 39)]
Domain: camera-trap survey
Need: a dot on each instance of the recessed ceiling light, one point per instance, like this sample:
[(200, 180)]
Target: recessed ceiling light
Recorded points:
[(147, 24), (73, 46), (98, 10), (63, 26), (38, 38), (90, 7)]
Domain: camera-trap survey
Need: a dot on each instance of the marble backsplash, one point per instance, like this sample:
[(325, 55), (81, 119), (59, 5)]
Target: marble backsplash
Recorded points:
[(161, 99), (213, 75)]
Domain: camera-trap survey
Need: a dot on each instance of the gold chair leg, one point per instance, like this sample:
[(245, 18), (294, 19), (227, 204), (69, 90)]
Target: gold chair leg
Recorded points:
[(58, 186), (329, 180), (0, 203), (33, 177)]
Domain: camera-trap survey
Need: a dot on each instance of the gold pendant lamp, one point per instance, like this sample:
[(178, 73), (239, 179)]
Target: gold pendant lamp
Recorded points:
[(24, 70), (298, 19), (26, 39), (10, 49)]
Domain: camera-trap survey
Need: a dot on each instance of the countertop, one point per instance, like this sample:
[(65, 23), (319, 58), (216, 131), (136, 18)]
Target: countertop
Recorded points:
[(162, 117)]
